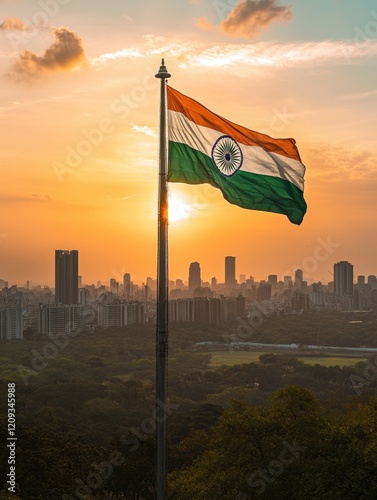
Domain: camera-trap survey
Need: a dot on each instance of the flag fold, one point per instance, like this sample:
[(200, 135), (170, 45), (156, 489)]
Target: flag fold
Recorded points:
[(251, 169)]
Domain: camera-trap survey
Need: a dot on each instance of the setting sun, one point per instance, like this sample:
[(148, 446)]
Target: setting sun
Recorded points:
[(179, 209)]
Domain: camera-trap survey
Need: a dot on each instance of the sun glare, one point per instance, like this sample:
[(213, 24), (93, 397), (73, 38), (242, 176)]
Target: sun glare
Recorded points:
[(178, 208)]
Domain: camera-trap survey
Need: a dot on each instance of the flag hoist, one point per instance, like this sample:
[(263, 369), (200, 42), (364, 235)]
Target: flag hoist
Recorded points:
[(162, 296)]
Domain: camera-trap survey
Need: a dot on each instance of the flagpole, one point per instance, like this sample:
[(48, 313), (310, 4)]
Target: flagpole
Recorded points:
[(162, 296)]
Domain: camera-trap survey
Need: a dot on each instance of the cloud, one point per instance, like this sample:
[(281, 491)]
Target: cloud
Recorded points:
[(131, 53), (144, 129), (286, 55), (272, 55), (249, 17), (13, 24), (333, 163), (65, 53)]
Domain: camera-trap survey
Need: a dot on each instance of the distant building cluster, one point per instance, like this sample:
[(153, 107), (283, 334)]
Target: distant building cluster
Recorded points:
[(207, 309), (72, 307)]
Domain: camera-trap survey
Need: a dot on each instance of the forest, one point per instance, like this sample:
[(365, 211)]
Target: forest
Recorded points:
[(274, 428)]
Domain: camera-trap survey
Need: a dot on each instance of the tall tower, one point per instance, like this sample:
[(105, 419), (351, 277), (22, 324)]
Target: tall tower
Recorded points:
[(114, 286), (299, 278), (343, 278), (230, 272), (194, 276), (272, 280), (66, 276), (127, 286)]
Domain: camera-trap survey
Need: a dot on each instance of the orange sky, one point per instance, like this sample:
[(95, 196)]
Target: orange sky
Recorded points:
[(90, 78)]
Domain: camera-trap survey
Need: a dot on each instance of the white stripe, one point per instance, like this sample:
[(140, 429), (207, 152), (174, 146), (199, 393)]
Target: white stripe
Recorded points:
[(255, 159)]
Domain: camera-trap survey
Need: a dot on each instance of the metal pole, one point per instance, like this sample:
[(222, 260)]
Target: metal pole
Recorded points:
[(162, 297)]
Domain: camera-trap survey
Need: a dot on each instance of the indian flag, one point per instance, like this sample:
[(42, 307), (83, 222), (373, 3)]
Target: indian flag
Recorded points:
[(251, 169)]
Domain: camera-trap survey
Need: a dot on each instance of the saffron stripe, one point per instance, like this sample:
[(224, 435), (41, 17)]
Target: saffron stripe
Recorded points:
[(202, 116)]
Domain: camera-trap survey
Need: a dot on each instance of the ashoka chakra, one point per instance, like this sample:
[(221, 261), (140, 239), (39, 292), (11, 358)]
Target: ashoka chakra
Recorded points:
[(227, 155)]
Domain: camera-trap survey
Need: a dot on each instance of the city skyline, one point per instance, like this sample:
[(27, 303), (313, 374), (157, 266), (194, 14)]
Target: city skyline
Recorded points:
[(74, 305), (67, 264), (79, 147)]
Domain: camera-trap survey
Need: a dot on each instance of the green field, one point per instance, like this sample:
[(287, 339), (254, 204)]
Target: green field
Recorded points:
[(237, 358)]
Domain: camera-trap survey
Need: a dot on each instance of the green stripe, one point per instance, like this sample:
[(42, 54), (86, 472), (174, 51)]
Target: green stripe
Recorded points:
[(245, 189)]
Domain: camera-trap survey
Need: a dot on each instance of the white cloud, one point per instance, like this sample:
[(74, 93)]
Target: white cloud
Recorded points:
[(274, 55), (130, 53), (144, 129), (258, 55)]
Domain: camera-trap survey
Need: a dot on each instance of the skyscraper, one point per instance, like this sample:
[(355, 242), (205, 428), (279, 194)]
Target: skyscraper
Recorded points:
[(127, 285), (343, 278), (263, 291), (194, 276), (230, 271), (114, 286), (272, 280), (11, 323), (66, 276), (299, 278)]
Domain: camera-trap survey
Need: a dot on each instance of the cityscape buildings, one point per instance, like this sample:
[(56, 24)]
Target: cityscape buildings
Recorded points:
[(69, 310)]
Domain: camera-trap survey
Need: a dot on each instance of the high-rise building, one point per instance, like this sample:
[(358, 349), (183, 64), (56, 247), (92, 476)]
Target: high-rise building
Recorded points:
[(287, 282), (121, 315), (263, 291), (84, 296), (179, 284), (152, 284), (54, 319), (272, 280), (11, 323), (230, 271), (361, 280), (66, 276), (317, 295), (194, 276), (372, 280), (3, 284), (64, 319), (127, 286), (114, 286), (343, 278), (299, 278)]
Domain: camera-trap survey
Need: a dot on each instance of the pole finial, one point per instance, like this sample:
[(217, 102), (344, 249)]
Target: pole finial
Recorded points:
[(163, 72)]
